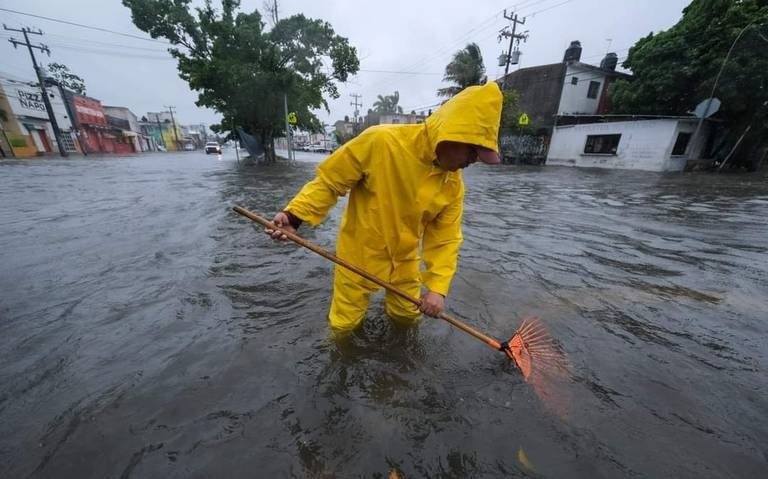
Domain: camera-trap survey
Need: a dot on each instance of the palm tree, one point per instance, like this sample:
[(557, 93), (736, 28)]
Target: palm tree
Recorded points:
[(388, 103), (466, 69)]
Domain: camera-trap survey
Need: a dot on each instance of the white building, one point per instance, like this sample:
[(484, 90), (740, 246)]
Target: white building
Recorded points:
[(583, 88), (30, 116), (570, 87), (646, 143)]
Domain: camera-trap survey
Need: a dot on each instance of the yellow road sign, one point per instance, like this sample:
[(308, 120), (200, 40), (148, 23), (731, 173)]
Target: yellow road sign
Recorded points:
[(292, 119), (524, 120)]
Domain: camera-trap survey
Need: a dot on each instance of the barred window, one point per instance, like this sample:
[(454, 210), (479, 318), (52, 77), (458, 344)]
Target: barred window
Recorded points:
[(602, 144)]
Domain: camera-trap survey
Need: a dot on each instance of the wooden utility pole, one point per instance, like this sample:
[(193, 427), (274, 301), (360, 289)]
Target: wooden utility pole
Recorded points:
[(48, 108), (357, 104), (512, 37)]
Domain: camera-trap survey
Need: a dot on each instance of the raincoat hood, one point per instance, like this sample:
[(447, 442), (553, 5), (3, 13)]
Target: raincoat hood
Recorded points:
[(471, 117)]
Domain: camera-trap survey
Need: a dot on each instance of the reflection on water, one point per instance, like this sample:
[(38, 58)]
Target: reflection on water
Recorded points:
[(151, 332)]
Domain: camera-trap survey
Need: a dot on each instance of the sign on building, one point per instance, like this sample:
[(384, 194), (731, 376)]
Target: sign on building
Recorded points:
[(89, 111), (27, 101)]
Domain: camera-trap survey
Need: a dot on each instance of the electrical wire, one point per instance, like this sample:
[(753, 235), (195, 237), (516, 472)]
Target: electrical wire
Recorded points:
[(90, 27), (436, 55)]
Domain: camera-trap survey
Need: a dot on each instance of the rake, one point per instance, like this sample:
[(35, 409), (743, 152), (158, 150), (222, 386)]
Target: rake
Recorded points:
[(529, 343)]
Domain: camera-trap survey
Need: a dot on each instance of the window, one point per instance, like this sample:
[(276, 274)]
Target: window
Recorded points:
[(602, 144), (681, 144), (574, 80), (594, 87)]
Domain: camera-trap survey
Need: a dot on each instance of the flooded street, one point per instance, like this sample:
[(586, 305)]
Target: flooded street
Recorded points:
[(149, 331)]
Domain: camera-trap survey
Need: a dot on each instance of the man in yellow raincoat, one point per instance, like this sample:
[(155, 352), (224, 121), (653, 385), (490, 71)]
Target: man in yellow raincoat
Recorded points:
[(405, 189)]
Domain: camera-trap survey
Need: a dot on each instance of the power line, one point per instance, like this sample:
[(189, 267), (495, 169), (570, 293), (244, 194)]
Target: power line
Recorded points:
[(90, 27), (483, 24), (108, 44), (549, 8), (426, 58), (394, 72)]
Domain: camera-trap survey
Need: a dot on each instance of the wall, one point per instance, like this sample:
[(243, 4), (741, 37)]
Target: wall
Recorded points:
[(125, 114), (539, 89), (574, 100), (644, 145)]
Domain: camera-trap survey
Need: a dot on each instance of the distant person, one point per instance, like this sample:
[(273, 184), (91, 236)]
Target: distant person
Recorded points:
[(405, 188)]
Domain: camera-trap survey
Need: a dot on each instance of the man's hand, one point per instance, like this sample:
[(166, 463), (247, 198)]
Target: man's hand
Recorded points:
[(432, 304), (281, 221)]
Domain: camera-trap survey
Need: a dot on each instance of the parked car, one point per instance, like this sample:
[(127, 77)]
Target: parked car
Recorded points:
[(212, 147)]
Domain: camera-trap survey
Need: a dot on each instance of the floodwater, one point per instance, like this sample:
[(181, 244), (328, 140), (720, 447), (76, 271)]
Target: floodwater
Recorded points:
[(148, 331)]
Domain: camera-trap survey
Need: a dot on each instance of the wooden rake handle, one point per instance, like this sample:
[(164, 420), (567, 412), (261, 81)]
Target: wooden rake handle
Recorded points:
[(389, 287)]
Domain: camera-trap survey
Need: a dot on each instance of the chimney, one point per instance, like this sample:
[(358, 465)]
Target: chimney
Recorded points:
[(573, 53), (609, 62)]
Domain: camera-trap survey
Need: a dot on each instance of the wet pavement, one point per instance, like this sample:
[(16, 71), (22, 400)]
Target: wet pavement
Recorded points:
[(148, 331)]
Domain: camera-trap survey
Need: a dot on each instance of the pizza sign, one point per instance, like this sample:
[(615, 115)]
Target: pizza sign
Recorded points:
[(27, 101), (31, 100)]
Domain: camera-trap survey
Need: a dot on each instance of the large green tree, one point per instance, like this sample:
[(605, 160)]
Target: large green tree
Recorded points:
[(66, 78), (465, 69), (676, 69), (388, 103), (243, 70)]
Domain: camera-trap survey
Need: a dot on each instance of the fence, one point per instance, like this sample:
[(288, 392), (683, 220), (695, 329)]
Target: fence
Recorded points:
[(524, 149)]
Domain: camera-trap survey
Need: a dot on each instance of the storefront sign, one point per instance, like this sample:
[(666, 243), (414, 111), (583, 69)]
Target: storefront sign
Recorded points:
[(26, 101), (89, 111)]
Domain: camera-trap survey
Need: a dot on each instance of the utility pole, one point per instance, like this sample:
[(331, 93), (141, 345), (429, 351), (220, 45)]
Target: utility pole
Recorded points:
[(43, 48), (160, 130), (274, 14), (514, 36), (357, 104), (173, 122), (288, 142)]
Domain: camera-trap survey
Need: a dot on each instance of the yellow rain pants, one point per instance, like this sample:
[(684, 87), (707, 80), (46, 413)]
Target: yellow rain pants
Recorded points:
[(399, 200)]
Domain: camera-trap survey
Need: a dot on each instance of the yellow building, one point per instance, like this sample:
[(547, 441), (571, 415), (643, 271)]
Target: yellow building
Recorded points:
[(26, 127)]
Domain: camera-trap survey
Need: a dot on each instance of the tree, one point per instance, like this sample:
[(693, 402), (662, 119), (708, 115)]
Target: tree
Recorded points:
[(510, 110), (387, 103), (244, 71), (676, 69), (465, 69), (66, 78)]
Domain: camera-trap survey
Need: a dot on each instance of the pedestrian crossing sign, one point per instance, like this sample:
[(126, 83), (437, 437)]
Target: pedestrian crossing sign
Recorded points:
[(292, 119), (524, 120)]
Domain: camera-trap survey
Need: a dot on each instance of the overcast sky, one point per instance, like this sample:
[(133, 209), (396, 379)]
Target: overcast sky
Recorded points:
[(413, 36)]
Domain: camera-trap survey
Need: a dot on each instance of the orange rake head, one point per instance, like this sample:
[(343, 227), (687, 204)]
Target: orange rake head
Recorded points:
[(530, 346)]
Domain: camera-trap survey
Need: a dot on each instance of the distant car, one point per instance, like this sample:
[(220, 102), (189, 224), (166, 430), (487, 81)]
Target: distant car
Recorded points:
[(212, 147)]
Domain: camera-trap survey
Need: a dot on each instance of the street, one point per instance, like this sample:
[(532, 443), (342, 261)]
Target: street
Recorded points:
[(149, 331)]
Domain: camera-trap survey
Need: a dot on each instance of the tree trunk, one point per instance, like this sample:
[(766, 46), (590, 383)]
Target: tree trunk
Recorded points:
[(268, 142)]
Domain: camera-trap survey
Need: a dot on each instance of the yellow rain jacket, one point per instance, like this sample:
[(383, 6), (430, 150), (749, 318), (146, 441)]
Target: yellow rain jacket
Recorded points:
[(398, 198)]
